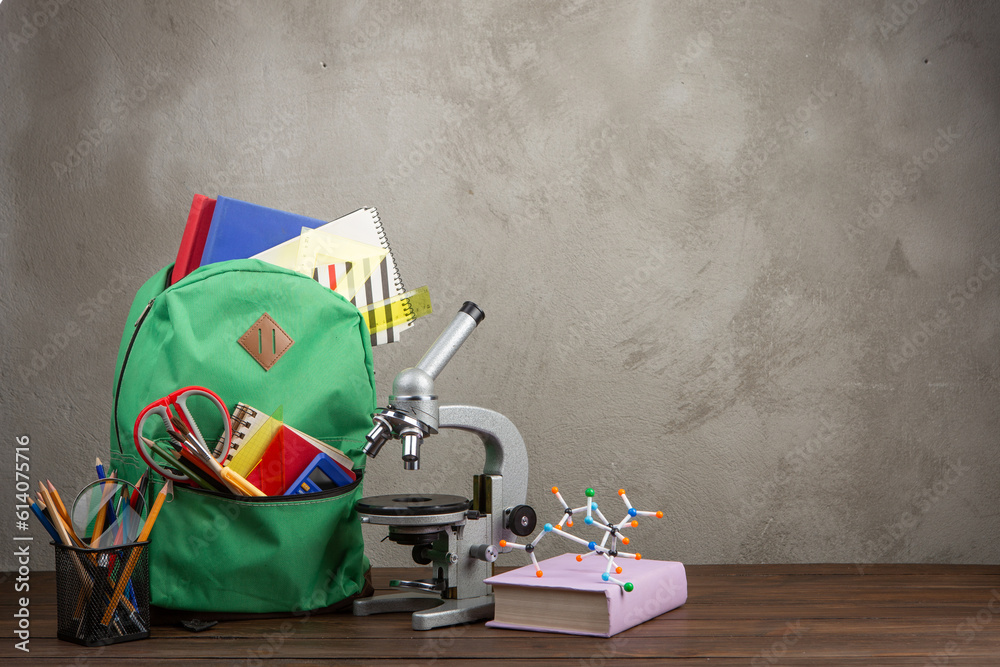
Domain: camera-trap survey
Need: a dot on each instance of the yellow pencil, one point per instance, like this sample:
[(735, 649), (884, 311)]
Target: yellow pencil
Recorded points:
[(59, 517), (57, 520), (62, 510), (133, 559), (86, 581)]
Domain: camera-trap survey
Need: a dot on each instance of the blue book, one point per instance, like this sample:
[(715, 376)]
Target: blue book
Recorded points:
[(240, 230)]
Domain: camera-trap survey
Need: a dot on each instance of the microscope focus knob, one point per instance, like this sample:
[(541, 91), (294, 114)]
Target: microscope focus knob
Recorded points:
[(521, 520), (484, 552)]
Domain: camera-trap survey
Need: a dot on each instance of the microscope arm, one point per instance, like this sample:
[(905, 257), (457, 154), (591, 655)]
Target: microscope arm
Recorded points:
[(506, 456)]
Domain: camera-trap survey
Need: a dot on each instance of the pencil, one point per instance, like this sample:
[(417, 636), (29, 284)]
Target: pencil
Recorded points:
[(133, 559), (59, 506), (49, 528), (191, 459), (182, 465), (86, 581), (134, 500), (232, 479), (58, 518)]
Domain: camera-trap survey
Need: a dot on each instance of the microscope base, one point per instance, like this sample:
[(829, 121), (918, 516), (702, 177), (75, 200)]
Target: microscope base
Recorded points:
[(429, 612)]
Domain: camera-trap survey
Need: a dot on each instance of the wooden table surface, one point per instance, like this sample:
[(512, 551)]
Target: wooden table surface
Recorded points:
[(735, 615)]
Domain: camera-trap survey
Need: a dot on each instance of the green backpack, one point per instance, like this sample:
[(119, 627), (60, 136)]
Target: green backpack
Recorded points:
[(228, 555)]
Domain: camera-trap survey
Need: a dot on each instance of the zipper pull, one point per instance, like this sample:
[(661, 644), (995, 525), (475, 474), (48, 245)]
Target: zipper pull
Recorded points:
[(142, 315)]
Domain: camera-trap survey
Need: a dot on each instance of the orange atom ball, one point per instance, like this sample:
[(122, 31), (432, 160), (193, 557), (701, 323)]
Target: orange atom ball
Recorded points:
[(570, 523), (503, 543), (579, 559), (538, 574), (555, 489), (625, 540), (618, 570), (635, 523), (659, 515), (621, 492), (638, 556), (557, 527)]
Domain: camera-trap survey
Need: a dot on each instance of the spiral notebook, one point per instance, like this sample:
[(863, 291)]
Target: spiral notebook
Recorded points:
[(362, 226), (384, 283)]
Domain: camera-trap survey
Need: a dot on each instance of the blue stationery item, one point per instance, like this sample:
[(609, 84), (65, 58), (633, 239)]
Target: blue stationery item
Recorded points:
[(322, 474), (111, 517), (49, 528), (240, 230)]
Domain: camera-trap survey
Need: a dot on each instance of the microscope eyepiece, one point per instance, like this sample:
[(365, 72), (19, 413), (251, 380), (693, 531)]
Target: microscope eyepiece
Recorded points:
[(473, 311)]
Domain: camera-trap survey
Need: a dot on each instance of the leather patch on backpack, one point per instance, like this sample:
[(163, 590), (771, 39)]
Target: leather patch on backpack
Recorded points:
[(266, 341)]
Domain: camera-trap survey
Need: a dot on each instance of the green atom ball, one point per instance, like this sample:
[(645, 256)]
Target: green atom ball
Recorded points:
[(590, 493), (629, 587)]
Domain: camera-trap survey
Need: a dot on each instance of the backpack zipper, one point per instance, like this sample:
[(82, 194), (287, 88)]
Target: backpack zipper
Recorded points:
[(319, 495), (121, 374)]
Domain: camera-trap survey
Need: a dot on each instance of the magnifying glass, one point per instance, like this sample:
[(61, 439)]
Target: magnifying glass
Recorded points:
[(104, 509)]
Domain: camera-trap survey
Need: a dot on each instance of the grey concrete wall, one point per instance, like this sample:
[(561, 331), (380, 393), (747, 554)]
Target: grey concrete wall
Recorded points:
[(739, 258)]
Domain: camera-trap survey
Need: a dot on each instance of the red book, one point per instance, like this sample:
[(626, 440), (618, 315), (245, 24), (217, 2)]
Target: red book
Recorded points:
[(193, 242), (288, 455), (269, 474)]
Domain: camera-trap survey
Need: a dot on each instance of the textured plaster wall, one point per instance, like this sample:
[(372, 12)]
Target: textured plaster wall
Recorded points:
[(739, 258)]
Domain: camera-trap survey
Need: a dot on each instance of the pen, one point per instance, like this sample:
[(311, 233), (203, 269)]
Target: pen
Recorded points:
[(102, 475)]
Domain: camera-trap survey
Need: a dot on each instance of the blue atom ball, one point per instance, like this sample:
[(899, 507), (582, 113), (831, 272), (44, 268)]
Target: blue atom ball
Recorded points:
[(548, 527), (592, 546), (632, 512), (605, 576), (588, 520)]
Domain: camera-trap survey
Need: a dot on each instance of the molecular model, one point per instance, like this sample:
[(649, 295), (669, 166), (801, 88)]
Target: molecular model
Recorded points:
[(594, 518)]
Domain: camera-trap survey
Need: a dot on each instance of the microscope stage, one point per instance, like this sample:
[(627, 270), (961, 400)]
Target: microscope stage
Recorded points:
[(412, 504)]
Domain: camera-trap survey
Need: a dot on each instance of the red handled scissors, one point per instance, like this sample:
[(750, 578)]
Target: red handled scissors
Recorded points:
[(175, 405)]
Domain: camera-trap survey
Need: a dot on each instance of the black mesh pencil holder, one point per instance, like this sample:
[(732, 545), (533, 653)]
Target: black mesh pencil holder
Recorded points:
[(102, 595)]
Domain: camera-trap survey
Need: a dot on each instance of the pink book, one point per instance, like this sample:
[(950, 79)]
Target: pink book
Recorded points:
[(571, 598)]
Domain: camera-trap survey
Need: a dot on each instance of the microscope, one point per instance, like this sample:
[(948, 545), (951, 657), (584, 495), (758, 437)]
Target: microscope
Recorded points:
[(455, 535)]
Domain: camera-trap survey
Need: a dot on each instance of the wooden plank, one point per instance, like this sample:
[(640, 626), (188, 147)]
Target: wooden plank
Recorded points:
[(824, 614), (959, 661), (543, 646)]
